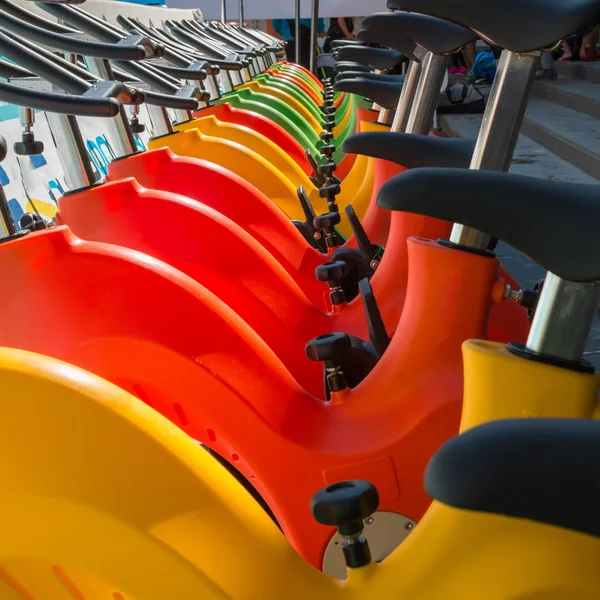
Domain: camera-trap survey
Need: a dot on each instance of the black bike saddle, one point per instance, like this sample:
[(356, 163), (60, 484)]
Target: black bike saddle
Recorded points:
[(378, 58), (516, 25), (370, 76), (403, 45), (554, 223), (436, 35), (342, 66), (411, 150), (544, 470), (384, 93)]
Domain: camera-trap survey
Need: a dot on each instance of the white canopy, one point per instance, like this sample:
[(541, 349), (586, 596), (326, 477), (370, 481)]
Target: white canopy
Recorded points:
[(281, 9)]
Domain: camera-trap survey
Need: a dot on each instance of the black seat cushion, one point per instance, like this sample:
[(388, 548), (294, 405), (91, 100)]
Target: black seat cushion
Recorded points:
[(410, 150), (403, 45), (342, 43), (556, 224), (436, 35), (384, 93), (350, 66), (517, 25), (378, 58), (371, 76), (544, 470)]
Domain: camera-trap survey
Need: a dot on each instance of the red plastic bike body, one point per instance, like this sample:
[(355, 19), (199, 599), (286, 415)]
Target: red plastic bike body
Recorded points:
[(163, 337)]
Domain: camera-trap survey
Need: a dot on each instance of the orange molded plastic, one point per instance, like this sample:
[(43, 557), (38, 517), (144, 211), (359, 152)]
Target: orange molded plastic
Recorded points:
[(163, 337), (262, 125)]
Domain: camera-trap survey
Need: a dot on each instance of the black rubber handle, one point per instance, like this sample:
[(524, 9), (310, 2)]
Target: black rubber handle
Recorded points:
[(148, 74), (193, 73), (64, 43), (82, 21), (181, 101), (20, 13), (219, 62), (40, 65), (175, 53), (10, 71), (66, 104)]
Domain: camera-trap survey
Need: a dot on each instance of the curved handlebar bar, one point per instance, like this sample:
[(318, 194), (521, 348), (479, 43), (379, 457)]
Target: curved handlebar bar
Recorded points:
[(64, 43), (67, 104), (40, 65), (33, 19), (185, 99)]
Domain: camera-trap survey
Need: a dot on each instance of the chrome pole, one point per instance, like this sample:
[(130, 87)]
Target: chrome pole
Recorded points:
[(223, 11), (314, 22), (297, 33), (426, 94), (500, 126), (407, 97), (241, 13)]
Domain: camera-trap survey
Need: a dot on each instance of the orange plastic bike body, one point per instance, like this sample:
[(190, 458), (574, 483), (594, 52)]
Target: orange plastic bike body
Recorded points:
[(163, 337)]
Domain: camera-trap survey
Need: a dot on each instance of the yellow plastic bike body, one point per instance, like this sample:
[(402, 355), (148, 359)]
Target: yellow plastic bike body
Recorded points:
[(104, 499), (233, 147)]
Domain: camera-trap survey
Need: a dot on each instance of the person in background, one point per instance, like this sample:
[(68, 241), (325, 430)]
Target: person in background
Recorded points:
[(350, 26), (285, 29), (587, 41)]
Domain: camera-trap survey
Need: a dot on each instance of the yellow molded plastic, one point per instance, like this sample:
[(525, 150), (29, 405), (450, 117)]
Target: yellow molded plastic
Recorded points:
[(500, 385), (256, 142), (232, 147), (104, 499)]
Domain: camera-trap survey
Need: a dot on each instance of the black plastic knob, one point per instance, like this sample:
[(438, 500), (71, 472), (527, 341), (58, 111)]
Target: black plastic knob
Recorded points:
[(3, 148), (327, 168), (332, 271), (329, 110), (327, 221), (136, 126), (326, 136), (328, 149), (329, 347), (32, 222), (28, 146), (330, 190), (345, 505)]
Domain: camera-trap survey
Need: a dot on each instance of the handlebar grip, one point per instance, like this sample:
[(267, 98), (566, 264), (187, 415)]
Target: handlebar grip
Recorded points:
[(64, 43), (175, 102), (40, 65), (80, 19), (20, 13), (66, 104), (193, 72)]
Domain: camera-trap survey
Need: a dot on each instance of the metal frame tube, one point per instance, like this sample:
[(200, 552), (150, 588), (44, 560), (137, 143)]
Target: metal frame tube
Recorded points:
[(241, 5), (72, 152), (223, 11), (314, 23), (563, 318), (500, 127), (386, 116), (121, 137), (159, 117), (433, 70), (407, 97), (297, 32)]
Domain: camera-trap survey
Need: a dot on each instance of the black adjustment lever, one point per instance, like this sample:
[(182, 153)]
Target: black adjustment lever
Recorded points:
[(326, 136), (315, 237), (346, 505), (333, 273), (32, 222), (378, 336), (329, 349), (371, 252), (317, 178), (327, 223)]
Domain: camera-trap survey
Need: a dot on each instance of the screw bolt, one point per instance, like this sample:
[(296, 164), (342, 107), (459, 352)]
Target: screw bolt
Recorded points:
[(369, 520), (408, 526)]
